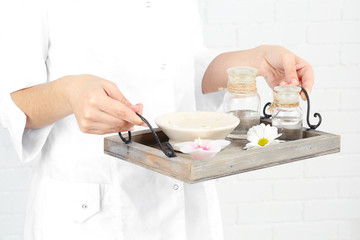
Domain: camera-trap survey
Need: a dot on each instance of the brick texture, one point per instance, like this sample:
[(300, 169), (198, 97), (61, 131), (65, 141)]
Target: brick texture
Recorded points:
[(317, 198), (323, 10), (350, 54), (252, 232), (270, 212), (336, 209), (308, 231)]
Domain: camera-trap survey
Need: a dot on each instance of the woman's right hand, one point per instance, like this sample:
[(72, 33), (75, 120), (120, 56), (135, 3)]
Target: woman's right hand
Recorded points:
[(99, 106)]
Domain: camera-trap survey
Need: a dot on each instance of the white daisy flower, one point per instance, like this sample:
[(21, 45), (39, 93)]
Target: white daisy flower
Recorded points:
[(261, 136)]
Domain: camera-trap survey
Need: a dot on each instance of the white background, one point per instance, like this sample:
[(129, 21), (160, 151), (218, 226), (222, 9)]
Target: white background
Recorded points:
[(314, 199)]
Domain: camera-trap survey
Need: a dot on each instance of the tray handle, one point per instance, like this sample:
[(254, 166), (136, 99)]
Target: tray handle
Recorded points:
[(169, 154)]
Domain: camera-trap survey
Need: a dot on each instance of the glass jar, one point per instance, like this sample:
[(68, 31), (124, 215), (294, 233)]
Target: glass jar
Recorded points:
[(287, 115), (242, 99)]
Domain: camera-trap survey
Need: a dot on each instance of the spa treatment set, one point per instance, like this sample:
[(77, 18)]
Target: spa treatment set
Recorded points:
[(203, 134)]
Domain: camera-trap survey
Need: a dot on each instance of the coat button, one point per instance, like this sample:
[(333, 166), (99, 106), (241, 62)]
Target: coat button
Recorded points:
[(84, 206), (148, 4), (176, 187)]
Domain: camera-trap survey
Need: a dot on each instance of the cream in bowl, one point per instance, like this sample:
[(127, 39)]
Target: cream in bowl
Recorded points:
[(187, 126)]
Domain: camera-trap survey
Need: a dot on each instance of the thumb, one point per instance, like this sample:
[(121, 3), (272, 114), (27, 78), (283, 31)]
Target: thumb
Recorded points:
[(138, 108), (289, 65), (113, 91)]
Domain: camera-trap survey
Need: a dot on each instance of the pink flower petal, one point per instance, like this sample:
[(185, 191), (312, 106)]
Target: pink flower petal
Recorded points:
[(202, 148)]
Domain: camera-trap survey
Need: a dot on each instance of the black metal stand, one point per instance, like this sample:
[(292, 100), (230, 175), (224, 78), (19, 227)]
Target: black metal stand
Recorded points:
[(308, 112), (168, 154), (267, 116)]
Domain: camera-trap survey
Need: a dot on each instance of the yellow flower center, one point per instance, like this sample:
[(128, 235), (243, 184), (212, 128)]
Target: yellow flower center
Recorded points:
[(262, 142)]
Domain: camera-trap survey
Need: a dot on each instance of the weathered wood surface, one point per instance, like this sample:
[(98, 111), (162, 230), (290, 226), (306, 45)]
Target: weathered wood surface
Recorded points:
[(233, 159)]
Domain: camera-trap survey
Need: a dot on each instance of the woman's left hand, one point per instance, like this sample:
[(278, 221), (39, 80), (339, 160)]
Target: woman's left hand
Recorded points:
[(281, 67)]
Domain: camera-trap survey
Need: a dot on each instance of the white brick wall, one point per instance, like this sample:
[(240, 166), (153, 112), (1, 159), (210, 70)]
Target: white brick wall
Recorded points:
[(319, 198), (351, 9), (323, 10), (314, 199), (305, 189), (350, 54), (249, 232), (308, 231)]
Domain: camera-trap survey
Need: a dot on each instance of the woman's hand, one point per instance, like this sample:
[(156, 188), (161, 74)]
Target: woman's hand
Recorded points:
[(281, 67), (99, 106)]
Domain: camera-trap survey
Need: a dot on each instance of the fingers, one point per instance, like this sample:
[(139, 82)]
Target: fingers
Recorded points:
[(289, 65), (118, 110), (307, 82), (113, 91), (118, 106), (105, 128), (306, 75), (104, 123), (97, 121), (100, 107), (101, 129), (285, 68), (307, 78), (112, 122), (297, 69), (138, 108)]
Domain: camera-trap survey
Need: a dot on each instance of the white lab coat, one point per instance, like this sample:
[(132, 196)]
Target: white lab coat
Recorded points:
[(153, 51)]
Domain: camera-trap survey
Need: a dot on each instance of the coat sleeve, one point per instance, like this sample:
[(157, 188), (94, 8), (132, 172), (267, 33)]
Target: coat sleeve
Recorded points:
[(23, 46), (210, 101), (204, 56)]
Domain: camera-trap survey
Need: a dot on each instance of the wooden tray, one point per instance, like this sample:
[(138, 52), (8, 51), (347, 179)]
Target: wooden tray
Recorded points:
[(144, 152)]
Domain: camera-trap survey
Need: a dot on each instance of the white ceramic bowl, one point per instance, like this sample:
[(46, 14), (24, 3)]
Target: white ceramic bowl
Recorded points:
[(187, 126)]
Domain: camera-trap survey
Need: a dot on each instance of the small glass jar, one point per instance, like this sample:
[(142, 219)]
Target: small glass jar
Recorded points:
[(242, 99), (287, 115)]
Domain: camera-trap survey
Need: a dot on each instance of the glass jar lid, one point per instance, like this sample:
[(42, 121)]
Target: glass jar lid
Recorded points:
[(287, 88), (287, 94), (242, 73)]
